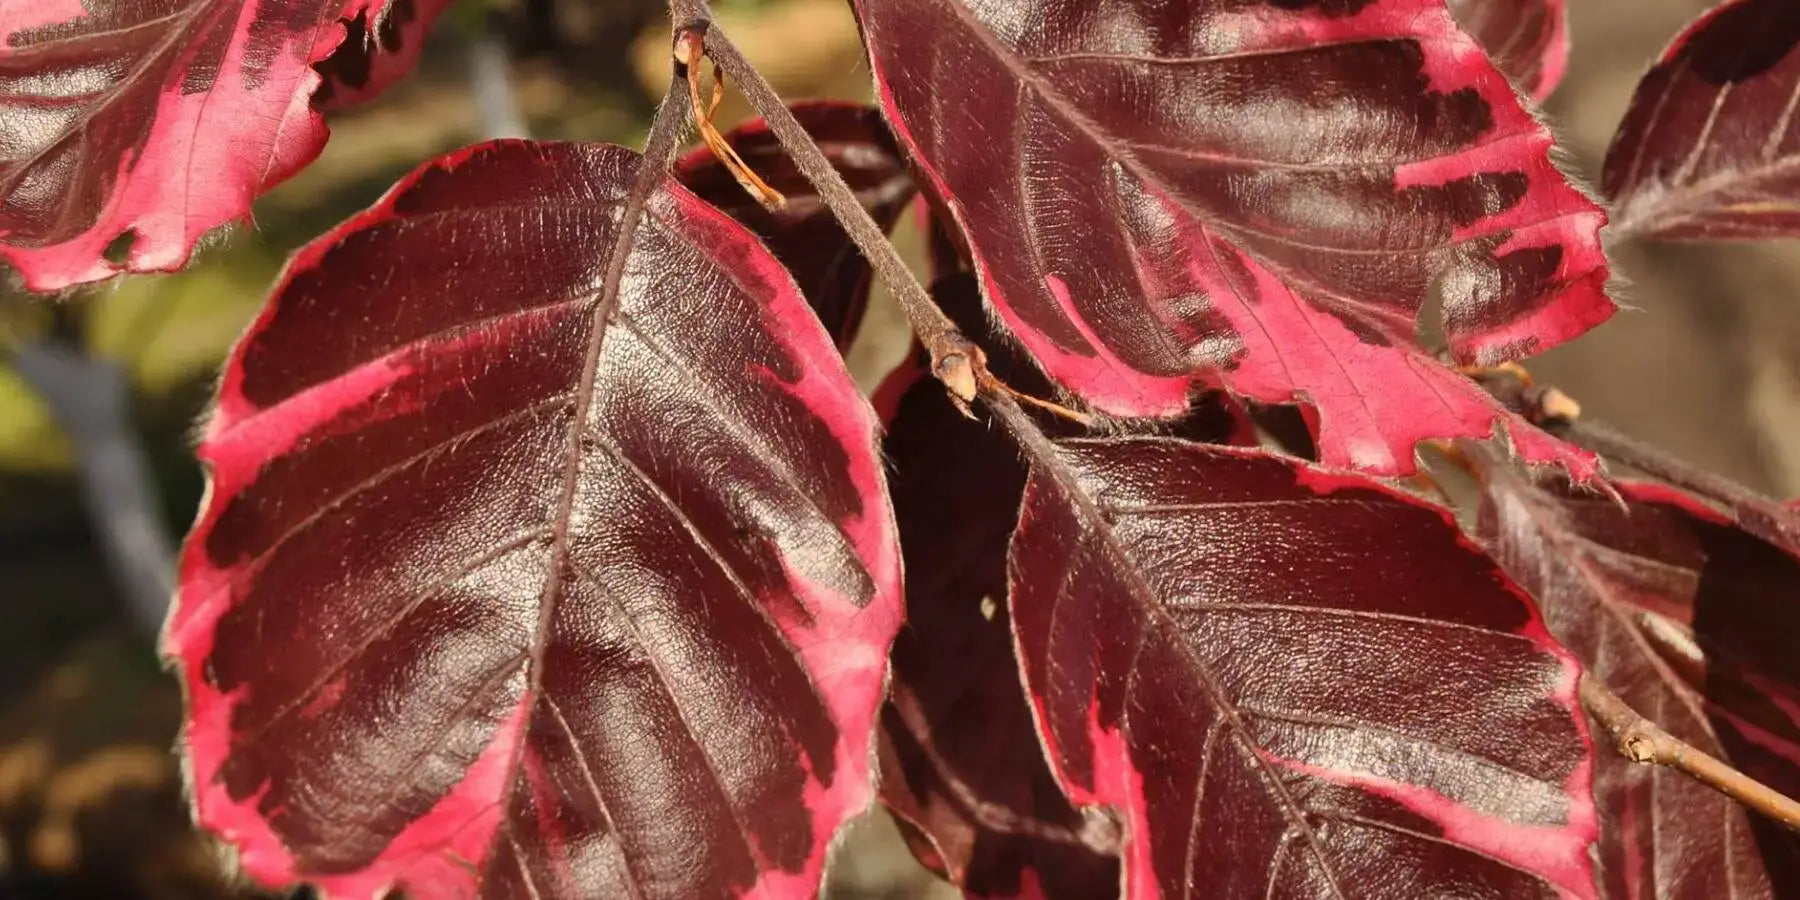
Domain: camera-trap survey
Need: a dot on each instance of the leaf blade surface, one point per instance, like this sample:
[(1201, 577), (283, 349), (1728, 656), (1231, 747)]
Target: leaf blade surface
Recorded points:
[(488, 598), (1220, 192), (1210, 653), (139, 126)]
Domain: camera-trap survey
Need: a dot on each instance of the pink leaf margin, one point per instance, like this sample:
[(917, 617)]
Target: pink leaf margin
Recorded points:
[(1558, 854), (439, 854), (1352, 431), (206, 157)]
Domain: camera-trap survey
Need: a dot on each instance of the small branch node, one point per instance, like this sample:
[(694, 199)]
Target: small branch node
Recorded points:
[(1553, 406), (960, 368), (689, 45), (1643, 741), (1640, 748)]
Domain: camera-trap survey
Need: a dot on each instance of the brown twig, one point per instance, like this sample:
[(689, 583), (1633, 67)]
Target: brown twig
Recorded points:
[(990, 383), (1643, 741), (955, 360), (1657, 462)]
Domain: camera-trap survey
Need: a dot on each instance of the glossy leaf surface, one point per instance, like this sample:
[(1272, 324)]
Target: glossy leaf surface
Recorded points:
[(1214, 653), (1527, 39), (960, 756), (1690, 620), (1263, 194), (482, 604), (1710, 146), (804, 235), (134, 127)]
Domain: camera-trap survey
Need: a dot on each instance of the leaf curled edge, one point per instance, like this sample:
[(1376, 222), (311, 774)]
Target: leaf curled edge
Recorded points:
[(1709, 148), (1527, 39)]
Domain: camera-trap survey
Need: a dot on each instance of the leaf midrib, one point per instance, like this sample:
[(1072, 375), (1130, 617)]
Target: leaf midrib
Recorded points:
[(1094, 522), (1022, 66)]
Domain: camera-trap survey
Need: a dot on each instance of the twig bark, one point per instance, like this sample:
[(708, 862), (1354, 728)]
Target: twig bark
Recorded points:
[(1641, 740), (89, 398), (1657, 462), (955, 360)]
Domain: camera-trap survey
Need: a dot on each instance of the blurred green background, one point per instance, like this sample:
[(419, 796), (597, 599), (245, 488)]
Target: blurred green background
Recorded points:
[(1707, 365)]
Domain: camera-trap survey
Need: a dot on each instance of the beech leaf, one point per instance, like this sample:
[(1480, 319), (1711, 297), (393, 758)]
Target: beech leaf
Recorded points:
[(1293, 682), (135, 127), (962, 766), (1710, 147), (1263, 195), (480, 604), (1690, 620), (804, 235), (961, 762), (1526, 39)]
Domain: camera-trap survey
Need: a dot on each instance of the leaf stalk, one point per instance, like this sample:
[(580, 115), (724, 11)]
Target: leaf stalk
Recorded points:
[(955, 360), (1658, 463)]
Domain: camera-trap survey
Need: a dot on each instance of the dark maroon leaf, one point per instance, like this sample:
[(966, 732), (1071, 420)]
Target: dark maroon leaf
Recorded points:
[(134, 127), (1294, 683), (805, 236), (1691, 621), (960, 756), (1710, 146), (1258, 194), (466, 614), (1527, 39)]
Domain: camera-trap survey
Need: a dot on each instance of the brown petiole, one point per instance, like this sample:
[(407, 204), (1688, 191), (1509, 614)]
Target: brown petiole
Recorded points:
[(690, 48)]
